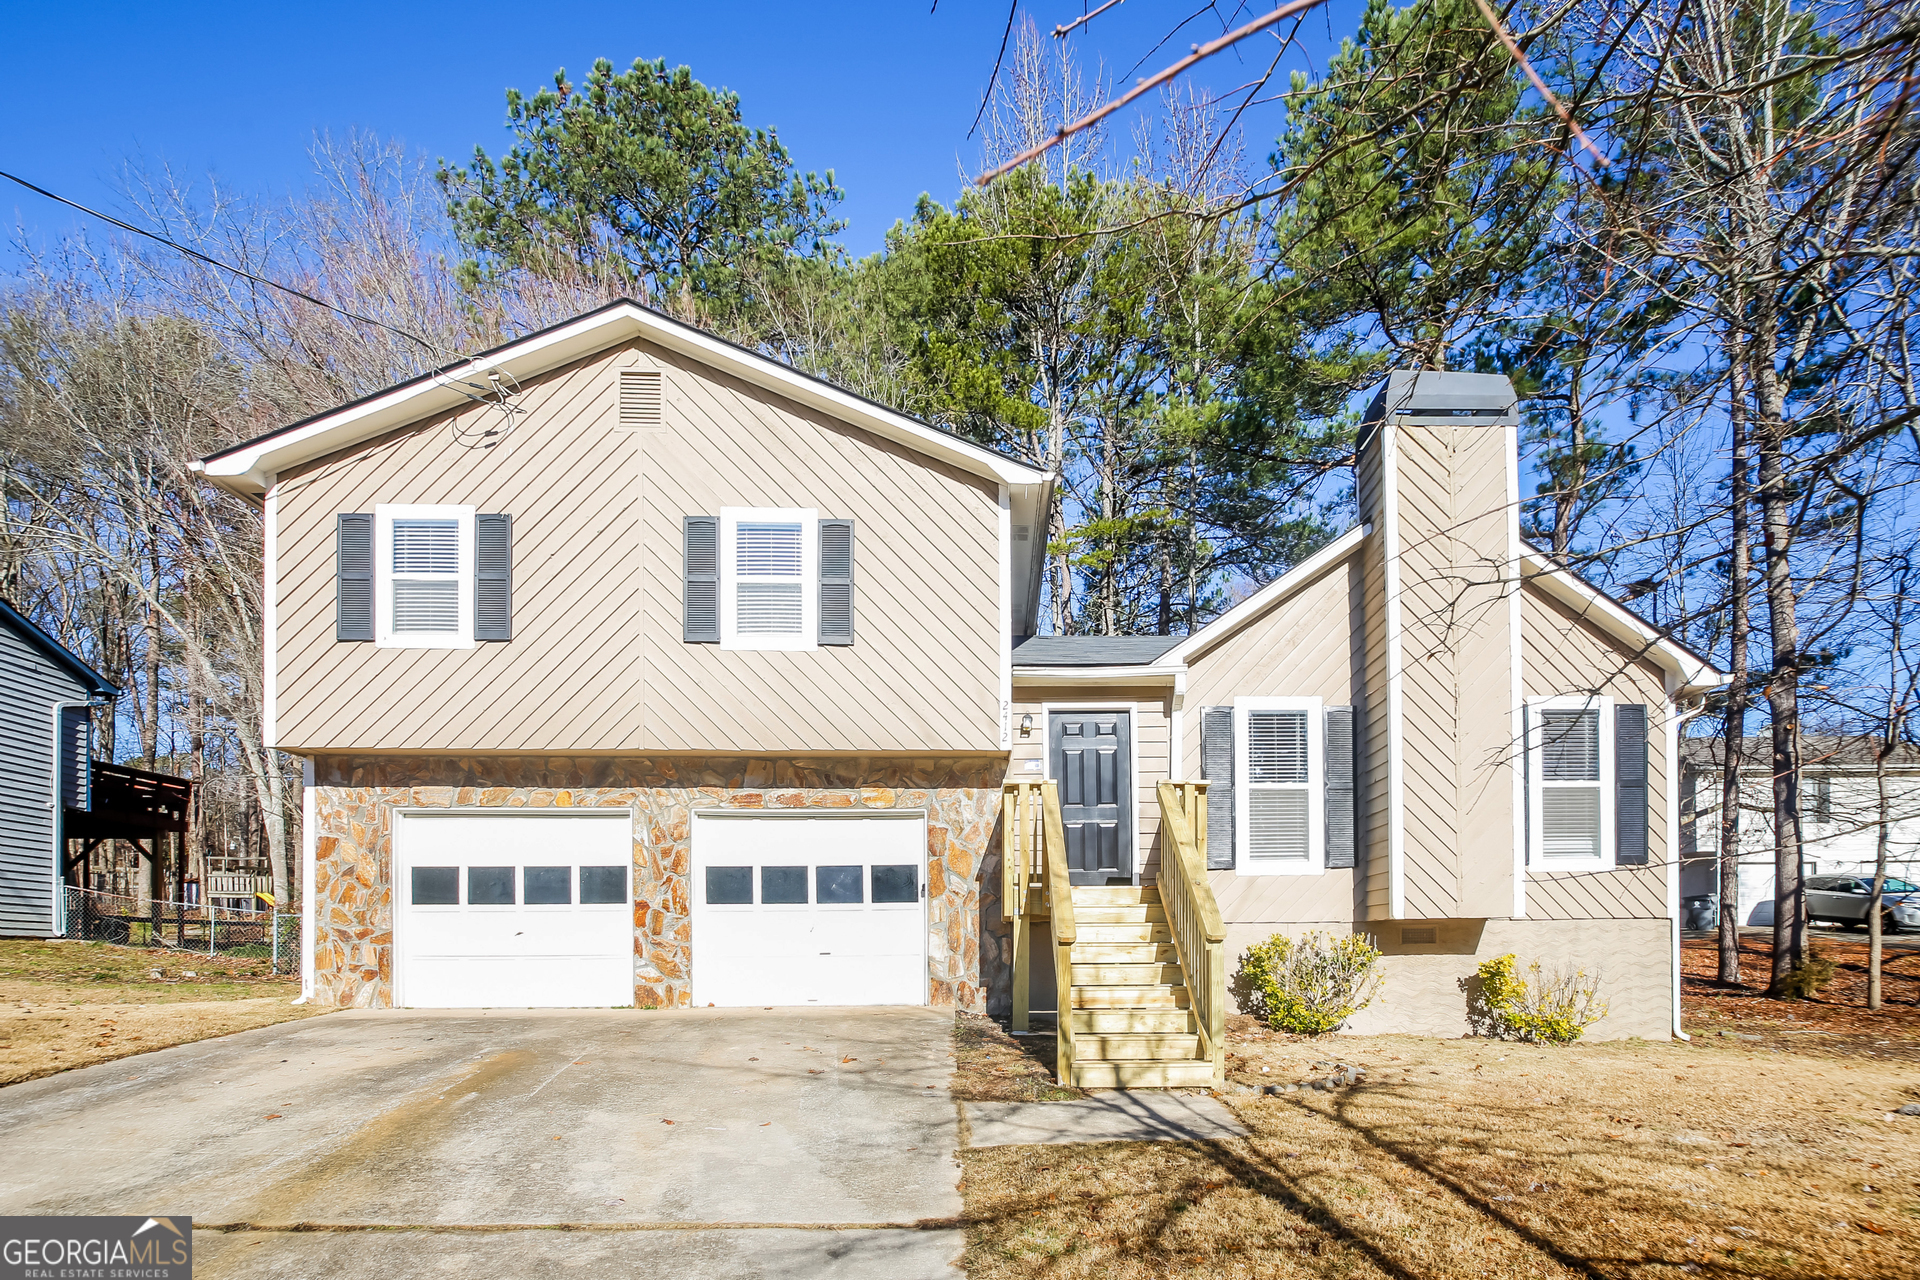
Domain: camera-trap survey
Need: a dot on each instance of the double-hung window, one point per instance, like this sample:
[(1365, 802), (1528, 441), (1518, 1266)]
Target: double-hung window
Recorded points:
[(1570, 767), (423, 576), (1280, 750), (769, 577)]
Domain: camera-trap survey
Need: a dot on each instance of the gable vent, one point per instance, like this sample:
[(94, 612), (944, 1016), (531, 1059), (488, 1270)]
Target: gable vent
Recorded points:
[(640, 399)]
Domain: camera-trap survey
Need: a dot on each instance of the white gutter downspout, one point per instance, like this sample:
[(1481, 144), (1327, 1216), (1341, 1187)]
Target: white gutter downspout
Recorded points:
[(1674, 719), (309, 841)]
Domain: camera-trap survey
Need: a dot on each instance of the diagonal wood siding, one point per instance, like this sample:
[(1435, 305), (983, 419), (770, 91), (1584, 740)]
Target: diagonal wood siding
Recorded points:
[(1373, 731), (1451, 485), (1567, 654), (596, 663)]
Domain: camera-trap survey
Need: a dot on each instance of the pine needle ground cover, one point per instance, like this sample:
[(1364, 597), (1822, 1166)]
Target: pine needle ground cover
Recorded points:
[(71, 1004), (1836, 1020), (1471, 1158)]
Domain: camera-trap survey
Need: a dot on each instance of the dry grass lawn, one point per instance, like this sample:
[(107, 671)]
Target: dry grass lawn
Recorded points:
[(1470, 1158), (70, 1004), (992, 1065)]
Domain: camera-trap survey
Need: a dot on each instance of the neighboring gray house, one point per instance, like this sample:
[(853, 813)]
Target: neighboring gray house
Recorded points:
[(1839, 816), (45, 767)]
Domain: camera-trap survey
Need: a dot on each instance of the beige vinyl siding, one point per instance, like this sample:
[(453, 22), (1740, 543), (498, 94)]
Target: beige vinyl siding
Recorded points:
[(1567, 654), (1151, 741), (1373, 731), (1311, 644), (596, 663), (1308, 645), (1456, 671)]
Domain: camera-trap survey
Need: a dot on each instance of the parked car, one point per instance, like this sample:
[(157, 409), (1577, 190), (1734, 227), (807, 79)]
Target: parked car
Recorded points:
[(1844, 899)]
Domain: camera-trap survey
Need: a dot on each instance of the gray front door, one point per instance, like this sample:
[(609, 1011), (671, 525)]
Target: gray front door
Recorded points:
[(1092, 756)]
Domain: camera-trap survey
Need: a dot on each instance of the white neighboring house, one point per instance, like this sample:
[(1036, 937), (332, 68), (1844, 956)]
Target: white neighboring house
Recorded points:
[(1839, 807)]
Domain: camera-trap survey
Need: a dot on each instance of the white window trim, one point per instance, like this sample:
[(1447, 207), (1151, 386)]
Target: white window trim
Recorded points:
[(1316, 863), (1536, 783), (808, 518), (385, 637)]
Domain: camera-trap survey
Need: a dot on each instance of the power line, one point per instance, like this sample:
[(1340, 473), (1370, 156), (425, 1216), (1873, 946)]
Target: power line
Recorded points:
[(215, 262)]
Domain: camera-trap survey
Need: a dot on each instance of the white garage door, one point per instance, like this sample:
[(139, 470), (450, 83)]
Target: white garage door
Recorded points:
[(809, 910), (513, 909)]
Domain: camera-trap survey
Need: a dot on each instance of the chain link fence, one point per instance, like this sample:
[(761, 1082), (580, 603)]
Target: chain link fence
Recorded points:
[(186, 927)]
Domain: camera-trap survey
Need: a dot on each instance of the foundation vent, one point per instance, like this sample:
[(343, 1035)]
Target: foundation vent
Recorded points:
[(1425, 933)]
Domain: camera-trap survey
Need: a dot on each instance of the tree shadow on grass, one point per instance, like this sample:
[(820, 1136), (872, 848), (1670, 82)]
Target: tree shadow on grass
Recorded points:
[(1162, 1208)]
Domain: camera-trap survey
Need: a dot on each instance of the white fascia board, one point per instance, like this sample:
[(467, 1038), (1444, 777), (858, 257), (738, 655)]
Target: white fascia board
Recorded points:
[(1031, 504), (1595, 605), (246, 469), (1156, 673), (1268, 596)]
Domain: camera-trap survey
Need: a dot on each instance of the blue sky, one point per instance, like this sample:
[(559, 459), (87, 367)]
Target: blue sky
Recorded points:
[(883, 93)]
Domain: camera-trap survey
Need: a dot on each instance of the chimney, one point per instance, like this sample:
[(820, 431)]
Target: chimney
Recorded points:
[(1438, 479)]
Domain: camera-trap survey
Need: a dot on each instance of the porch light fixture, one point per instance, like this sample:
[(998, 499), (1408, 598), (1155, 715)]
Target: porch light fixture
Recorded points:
[(1026, 725)]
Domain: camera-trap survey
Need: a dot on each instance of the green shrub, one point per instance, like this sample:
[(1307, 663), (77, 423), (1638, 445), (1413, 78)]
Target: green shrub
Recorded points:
[(1545, 1006), (1309, 985), (1805, 979)]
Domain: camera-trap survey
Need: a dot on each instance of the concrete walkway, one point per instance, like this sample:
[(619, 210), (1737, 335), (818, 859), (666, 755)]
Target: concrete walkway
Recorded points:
[(736, 1143), (1108, 1116)]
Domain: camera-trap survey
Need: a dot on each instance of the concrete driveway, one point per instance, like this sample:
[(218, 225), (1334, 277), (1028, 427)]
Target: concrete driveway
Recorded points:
[(736, 1143)]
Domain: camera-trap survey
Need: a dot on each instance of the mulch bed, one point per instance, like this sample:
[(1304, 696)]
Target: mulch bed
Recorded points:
[(1836, 1021)]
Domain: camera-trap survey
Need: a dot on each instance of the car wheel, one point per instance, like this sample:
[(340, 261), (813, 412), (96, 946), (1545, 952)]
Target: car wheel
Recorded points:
[(1888, 924)]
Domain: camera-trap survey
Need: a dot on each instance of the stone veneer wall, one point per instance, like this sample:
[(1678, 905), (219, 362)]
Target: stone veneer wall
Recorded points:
[(355, 797)]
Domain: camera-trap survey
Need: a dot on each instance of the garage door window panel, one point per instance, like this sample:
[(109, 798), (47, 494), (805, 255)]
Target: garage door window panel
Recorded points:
[(600, 886), (896, 883), (783, 886), (729, 886), (548, 886), (436, 886), (838, 886), (490, 887)]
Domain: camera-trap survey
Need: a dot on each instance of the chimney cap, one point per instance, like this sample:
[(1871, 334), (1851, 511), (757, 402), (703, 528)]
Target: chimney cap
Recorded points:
[(1409, 394)]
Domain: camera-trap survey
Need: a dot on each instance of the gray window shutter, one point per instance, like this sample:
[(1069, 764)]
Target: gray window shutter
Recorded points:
[(353, 577), (1630, 784), (700, 581), (1216, 766), (836, 582), (1340, 811), (493, 577)]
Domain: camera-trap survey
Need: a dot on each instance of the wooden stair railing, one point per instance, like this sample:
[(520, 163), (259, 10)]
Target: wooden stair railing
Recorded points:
[(1193, 916), (1034, 886)]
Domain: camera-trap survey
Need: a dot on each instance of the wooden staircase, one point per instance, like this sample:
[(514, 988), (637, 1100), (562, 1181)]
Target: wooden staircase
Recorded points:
[(1132, 1019), (1126, 1014)]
